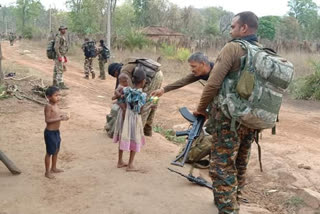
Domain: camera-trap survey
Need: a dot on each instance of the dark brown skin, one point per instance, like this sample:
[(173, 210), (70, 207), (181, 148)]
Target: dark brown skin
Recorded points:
[(53, 116), (52, 113)]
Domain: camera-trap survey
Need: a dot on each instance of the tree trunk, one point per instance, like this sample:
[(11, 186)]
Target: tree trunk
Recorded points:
[(1, 72), (109, 25), (9, 164)]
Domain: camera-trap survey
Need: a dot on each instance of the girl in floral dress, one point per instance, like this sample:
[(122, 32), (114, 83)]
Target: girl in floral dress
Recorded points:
[(129, 130)]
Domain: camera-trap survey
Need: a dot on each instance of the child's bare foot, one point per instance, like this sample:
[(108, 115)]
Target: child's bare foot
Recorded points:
[(121, 165), (132, 169), (49, 175), (56, 170)]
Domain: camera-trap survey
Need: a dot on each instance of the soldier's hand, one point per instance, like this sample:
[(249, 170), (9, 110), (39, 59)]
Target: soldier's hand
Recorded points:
[(158, 92), (65, 59), (197, 113)]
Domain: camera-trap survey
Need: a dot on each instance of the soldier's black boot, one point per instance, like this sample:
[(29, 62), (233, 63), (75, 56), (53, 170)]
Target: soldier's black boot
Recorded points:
[(93, 75)]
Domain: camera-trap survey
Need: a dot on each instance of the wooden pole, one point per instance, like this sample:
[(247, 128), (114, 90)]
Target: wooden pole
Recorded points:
[(1, 72), (109, 25), (9, 164)]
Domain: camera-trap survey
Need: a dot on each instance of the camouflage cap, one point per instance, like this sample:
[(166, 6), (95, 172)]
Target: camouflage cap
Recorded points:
[(62, 27)]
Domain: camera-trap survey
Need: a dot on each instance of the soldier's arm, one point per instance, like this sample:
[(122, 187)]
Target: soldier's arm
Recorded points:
[(128, 70), (57, 46), (190, 78)]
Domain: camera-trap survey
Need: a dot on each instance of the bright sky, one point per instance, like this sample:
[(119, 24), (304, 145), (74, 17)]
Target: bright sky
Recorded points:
[(259, 7)]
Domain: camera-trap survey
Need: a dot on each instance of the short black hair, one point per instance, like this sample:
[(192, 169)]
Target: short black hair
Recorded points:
[(248, 18), (51, 91), (101, 41), (138, 75), (113, 68)]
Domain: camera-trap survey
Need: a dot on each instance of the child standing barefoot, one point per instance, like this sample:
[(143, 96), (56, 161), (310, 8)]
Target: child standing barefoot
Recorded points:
[(52, 138), (129, 131)]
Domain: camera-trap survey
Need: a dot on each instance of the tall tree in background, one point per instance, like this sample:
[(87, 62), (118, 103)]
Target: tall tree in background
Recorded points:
[(306, 12), (27, 13), (267, 26), (140, 9), (83, 16)]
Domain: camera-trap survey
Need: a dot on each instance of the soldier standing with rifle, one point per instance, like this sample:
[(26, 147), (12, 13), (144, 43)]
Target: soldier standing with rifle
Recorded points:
[(230, 153), (61, 49)]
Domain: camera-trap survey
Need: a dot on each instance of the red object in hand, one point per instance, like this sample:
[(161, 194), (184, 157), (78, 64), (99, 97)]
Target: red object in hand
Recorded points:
[(60, 59), (65, 59)]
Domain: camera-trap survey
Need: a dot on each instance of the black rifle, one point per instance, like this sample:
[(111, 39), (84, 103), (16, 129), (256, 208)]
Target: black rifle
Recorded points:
[(197, 180), (193, 133)]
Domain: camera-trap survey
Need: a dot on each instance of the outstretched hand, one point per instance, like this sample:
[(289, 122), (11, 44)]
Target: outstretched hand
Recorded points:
[(158, 92)]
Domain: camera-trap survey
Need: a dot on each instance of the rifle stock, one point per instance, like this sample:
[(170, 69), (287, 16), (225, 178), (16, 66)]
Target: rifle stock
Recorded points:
[(193, 133)]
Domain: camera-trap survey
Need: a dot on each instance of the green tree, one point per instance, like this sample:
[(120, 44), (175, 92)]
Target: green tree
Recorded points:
[(305, 11), (124, 19), (28, 15), (267, 26), (83, 16), (289, 28)]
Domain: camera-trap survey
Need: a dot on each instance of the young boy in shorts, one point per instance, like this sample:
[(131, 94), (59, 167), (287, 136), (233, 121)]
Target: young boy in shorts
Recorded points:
[(53, 116)]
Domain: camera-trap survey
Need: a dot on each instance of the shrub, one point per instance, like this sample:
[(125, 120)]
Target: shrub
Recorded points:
[(134, 39), (169, 51), (308, 87), (183, 54)]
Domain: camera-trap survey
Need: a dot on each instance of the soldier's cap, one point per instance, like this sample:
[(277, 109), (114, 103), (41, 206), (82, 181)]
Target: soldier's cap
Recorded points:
[(62, 27)]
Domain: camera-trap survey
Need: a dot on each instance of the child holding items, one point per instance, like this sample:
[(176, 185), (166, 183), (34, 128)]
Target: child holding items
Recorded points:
[(53, 116), (129, 130)]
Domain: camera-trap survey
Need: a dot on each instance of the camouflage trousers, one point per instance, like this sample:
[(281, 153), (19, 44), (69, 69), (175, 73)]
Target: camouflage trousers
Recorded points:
[(147, 113), (88, 66), (11, 42), (58, 70), (102, 63), (230, 154)]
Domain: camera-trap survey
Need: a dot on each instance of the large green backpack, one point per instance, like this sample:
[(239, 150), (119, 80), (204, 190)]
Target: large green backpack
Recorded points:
[(51, 53), (253, 96)]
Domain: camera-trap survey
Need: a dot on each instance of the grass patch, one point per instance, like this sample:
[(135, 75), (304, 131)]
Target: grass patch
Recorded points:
[(3, 94), (307, 87), (169, 134), (294, 201)]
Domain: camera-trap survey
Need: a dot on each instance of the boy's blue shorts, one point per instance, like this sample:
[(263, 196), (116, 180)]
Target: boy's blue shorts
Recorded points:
[(52, 140)]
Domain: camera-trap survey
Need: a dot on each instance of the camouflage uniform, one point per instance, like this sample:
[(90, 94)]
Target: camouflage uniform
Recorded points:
[(111, 120), (61, 48), (230, 154), (12, 37), (88, 64), (147, 113), (102, 63)]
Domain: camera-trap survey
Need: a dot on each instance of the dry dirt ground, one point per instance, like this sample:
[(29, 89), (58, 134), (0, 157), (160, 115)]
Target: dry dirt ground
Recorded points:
[(91, 182)]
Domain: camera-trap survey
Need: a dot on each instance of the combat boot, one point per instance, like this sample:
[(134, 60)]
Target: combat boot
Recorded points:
[(55, 83), (93, 75), (63, 86), (147, 131)]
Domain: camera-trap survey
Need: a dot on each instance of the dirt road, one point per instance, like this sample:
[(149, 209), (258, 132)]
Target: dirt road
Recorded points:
[(91, 182)]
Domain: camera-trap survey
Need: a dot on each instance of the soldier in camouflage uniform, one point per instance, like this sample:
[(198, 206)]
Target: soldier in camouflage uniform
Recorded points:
[(102, 58), (61, 49), (87, 61), (12, 37), (231, 148)]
